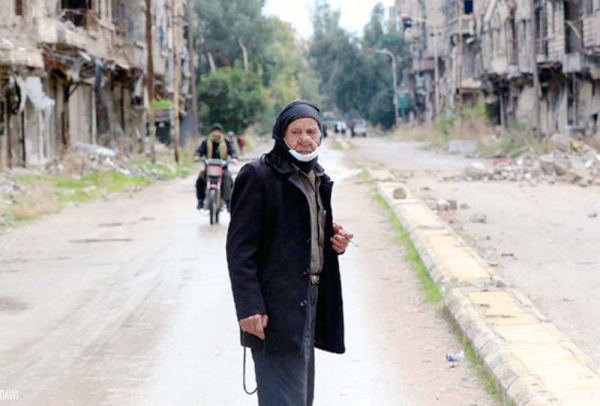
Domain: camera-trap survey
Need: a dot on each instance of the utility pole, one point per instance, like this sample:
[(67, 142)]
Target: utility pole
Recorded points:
[(176, 76), (192, 53), (536, 73), (150, 80), (9, 137), (436, 72), (395, 84)]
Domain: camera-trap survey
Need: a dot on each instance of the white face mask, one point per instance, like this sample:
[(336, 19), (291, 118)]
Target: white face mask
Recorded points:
[(305, 157)]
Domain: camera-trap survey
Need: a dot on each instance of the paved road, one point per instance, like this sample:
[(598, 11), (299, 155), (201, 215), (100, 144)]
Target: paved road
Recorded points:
[(127, 302), (541, 236)]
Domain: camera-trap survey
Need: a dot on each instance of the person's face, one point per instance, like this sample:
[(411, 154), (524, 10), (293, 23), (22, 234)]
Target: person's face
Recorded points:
[(217, 135), (303, 135)]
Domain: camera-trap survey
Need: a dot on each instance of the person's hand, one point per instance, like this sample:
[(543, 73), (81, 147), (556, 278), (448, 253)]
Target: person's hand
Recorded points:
[(341, 239), (255, 325), (196, 158), (235, 161)]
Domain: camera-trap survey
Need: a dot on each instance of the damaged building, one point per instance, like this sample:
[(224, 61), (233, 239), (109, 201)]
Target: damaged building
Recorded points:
[(74, 71), (492, 51)]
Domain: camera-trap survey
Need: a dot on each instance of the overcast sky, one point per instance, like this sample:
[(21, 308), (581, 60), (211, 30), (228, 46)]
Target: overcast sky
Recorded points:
[(355, 13)]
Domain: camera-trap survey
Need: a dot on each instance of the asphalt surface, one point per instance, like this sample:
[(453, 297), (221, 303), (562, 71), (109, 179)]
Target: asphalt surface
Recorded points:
[(542, 238), (127, 302)]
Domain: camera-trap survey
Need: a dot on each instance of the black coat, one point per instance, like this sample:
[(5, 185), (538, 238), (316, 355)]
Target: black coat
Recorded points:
[(202, 150), (269, 254)]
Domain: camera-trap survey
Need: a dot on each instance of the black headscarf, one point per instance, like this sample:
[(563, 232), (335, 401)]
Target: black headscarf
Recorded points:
[(292, 112)]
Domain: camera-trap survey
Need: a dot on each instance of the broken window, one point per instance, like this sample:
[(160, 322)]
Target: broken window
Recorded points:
[(468, 6), (76, 4), (80, 13), (572, 105), (573, 27), (541, 28), (588, 7), (19, 7), (513, 43), (117, 10)]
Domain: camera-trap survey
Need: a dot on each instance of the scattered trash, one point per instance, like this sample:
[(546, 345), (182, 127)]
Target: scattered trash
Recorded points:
[(443, 205), (507, 254), (94, 149), (455, 356), (593, 215), (400, 193), (465, 206), (465, 147), (478, 218), (476, 171)]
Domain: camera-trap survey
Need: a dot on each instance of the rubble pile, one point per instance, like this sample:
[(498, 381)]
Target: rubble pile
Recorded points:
[(9, 188), (83, 160), (571, 161), (87, 158)]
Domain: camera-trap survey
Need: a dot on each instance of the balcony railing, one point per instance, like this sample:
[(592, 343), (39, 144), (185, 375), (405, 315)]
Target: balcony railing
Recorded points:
[(85, 18), (129, 30), (463, 25)]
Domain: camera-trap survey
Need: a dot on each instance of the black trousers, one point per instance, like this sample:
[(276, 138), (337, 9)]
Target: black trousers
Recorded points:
[(289, 380), (226, 188)]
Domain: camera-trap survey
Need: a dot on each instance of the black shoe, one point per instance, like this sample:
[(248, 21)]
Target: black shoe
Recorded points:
[(200, 205)]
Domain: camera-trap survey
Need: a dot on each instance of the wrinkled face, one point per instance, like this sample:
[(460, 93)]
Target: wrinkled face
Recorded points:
[(303, 135), (217, 135)]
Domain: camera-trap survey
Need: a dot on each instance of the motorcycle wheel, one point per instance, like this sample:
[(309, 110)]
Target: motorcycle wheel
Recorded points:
[(212, 205)]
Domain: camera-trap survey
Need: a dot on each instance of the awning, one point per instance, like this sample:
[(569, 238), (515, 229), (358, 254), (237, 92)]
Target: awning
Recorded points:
[(36, 94)]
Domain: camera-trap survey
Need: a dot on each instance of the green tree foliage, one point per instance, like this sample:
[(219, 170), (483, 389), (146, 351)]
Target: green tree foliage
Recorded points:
[(236, 37), (355, 79), (232, 97), (226, 27)]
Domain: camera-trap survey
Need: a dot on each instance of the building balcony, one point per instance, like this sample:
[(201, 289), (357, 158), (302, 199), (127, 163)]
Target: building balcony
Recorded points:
[(135, 53), (54, 32), (573, 62), (424, 65), (84, 18), (463, 25)]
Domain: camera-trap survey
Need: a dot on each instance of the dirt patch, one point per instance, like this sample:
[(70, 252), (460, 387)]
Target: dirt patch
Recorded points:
[(12, 305)]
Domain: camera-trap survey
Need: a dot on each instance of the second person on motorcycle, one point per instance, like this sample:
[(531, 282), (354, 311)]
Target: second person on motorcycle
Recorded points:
[(216, 146)]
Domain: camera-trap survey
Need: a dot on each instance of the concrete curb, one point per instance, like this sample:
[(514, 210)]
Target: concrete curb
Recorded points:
[(532, 362)]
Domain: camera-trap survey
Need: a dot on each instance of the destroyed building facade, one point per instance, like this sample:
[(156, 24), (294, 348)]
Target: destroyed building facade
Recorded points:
[(74, 71), (489, 50)]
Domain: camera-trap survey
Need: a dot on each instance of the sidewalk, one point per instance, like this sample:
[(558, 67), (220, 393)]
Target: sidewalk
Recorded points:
[(532, 362)]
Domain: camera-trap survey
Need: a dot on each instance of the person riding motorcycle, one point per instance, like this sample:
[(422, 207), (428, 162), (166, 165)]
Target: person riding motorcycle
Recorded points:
[(216, 146)]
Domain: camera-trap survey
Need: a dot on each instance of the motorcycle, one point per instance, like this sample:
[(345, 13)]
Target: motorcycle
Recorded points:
[(215, 169)]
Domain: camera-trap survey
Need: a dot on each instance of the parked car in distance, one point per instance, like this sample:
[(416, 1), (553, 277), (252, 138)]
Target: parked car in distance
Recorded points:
[(360, 128)]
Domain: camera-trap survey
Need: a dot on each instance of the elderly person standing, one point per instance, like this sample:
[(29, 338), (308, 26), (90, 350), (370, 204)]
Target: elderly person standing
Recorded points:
[(282, 251)]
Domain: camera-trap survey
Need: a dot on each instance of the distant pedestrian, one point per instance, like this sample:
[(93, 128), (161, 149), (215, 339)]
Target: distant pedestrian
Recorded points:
[(282, 252), (241, 143)]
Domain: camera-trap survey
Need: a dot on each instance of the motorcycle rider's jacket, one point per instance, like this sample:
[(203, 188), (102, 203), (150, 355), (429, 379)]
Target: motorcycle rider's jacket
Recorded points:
[(212, 149)]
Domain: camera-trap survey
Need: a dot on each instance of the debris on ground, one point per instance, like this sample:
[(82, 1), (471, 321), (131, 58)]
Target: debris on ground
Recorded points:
[(400, 193), (464, 147), (28, 192), (478, 218), (443, 205), (571, 162), (455, 356), (94, 149)]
